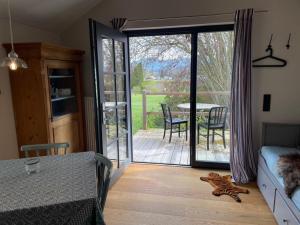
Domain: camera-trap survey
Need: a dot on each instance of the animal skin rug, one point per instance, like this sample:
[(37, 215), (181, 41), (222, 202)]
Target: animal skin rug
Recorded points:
[(224, 186), (289, 169)]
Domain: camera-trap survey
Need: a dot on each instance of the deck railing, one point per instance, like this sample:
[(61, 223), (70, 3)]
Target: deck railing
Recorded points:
[(147, 93)]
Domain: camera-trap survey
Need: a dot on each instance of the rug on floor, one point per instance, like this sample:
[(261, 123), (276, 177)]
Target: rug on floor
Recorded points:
[(224, 186)]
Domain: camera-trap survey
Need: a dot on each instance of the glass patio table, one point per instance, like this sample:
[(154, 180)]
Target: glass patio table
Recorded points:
[(63, 192), (200, 107)]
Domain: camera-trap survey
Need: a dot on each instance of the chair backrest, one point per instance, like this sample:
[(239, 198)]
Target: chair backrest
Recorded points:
[(103, 171), (166, 112), (38, 148), (217, 116)]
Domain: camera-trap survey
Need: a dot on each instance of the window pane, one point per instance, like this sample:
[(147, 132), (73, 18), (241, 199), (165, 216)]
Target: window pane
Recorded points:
[(109, 88), (107, 47), (119, 51), (110, 124), (123, 148), (112, 154), (214, 64), (121, 88)]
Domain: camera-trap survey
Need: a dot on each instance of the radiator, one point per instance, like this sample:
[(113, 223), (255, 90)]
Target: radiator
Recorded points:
[(90, 123)]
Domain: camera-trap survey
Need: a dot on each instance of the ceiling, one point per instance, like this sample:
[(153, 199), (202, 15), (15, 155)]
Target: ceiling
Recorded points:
[(51, 15)]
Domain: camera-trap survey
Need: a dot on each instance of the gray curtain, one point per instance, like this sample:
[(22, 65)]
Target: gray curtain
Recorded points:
[(243, 158), (118, 23)]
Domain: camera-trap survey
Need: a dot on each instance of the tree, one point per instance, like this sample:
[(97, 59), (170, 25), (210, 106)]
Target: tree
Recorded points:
[(215, 52), (214, 62), (137, 77)]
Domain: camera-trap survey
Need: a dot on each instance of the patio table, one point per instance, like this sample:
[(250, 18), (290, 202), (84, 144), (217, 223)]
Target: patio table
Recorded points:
[(62, 193), (199, 106)]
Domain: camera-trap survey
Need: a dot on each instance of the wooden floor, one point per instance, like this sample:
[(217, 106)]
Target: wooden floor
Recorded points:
[(149, 146), (170, 195)]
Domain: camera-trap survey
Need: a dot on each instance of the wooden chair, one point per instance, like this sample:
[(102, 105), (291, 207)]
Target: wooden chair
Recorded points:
[(103, 170), (37, 148), (170, 122), (216, 121)]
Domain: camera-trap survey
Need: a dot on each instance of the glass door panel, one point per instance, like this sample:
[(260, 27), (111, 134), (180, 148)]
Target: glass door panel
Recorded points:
[(108, 60), (122, 121), (214, 63), (111, 80), (160, 76), (111, 124), (121, 91), (112, 154), (115, 99), (123, 148), (109, 89), (119, 53), (109, 109), (121, 99)]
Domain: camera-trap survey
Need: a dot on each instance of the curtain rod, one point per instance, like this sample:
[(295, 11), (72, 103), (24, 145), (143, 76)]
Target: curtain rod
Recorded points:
[(183, 17)]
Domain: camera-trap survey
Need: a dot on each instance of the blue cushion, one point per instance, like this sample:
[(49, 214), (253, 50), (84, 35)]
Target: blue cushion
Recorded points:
[(271, 155)]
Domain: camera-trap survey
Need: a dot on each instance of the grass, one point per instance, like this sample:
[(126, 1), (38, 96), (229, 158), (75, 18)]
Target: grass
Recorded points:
[(153, 105)]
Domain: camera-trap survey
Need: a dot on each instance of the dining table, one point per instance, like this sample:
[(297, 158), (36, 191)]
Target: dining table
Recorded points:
[(63, 192)]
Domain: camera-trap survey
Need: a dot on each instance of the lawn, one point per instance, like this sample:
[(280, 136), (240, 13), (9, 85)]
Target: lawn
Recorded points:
[(153, 105)]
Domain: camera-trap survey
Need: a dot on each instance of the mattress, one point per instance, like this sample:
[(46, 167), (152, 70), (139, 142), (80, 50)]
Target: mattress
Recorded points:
[(271, 155)]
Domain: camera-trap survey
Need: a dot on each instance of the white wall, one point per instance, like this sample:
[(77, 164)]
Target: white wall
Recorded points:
[(22, 33), (282, 18)]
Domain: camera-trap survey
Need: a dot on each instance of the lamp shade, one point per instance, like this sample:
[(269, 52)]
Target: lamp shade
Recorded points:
[(13, 61)]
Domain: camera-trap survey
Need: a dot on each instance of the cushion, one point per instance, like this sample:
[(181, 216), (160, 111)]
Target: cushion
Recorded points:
[(271, 155)]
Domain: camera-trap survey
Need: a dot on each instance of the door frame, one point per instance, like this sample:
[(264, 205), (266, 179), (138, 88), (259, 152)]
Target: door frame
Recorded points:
[(193, 31), (98, 85)]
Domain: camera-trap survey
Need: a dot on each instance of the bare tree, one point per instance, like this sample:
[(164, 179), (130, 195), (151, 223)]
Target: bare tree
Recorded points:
[(214, 62)]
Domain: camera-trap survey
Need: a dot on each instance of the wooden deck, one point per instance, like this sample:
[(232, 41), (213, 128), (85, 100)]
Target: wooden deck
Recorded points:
[(149, 146)]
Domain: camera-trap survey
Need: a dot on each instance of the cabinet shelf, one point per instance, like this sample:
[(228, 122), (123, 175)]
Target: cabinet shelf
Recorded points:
[(62, 98)]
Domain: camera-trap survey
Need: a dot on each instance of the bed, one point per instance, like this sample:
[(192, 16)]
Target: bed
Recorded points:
[(278, 139)]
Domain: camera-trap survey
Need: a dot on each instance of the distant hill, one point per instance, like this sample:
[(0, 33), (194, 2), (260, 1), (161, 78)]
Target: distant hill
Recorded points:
[(156, 67)]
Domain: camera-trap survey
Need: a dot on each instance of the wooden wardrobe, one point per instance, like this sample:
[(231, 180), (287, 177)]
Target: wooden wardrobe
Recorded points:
[(47, 97)]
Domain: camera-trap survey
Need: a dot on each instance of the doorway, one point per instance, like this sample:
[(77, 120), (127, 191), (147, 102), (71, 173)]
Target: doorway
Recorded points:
[(160, 74), (179, 80), (189, 70)]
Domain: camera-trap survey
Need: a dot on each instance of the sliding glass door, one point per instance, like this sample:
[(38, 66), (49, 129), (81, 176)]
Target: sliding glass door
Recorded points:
[(213, 53), (204, 104)]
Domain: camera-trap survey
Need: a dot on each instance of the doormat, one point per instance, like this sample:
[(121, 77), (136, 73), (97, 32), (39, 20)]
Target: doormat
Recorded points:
[(224, 186)]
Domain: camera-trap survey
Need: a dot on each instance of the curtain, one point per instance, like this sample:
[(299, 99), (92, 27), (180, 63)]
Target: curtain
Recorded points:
[(118, 23), (243, 158)]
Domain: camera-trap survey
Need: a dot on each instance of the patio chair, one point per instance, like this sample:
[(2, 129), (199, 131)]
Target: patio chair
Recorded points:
[(216, 121), (170, 123), (42, 148), (103, 171)]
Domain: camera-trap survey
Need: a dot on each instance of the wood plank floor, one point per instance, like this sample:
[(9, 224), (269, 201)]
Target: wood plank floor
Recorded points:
[(149, 146), (170, 195)]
